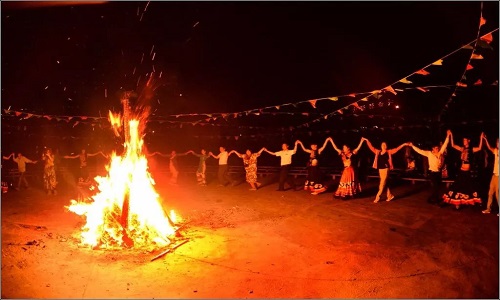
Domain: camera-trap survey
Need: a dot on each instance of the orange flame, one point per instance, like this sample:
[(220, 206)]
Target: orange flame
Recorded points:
[(126, 210)]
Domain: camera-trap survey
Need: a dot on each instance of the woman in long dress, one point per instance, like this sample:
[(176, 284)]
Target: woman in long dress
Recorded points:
[(464, 190), (349, 185), (250, 164), (202, 167), (49, 172), (314, 182)]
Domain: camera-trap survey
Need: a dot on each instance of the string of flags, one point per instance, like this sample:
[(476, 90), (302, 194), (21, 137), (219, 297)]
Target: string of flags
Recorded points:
[(487, 38), (483, 41)]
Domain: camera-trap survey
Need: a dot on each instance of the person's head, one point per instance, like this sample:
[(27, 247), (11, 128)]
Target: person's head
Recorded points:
[(222, 149), (435, 149), (284, 146), (248, 152), (314, 162), (173, 153), (466, 141), (19, 154), (383, 146), (346, 149), (314, 147), (83, 150), (203, 151)]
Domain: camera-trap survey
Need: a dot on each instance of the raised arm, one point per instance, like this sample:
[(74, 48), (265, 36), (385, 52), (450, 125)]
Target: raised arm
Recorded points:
[(370, 146), (93, 154), (235, 152), (260, 151), (302, 146), (453, 143), (394, 150), (323, 147), (295, 148), (445, 144), (359, 146), (184, 154), (272, 153), (476, 149), (488, 144), (71, 156), (334, 146), (418, 150), (216, 157)]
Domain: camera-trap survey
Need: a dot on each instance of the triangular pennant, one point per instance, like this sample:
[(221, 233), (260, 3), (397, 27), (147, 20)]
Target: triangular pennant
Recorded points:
[(404, 80), (313, 103), (422, 72), (377, 95), (352, 95), (468, 47), (461, 84), (390, 89), (364, 99), (18, 113), (484, 44), (277, 107), (476, 56), (469, 67), (48, 117), (76, 123), (487, 38), (438, 62), (356, 105), (83, 117), (235, 115), (482, 21), (422, 89), (334, 98), (478, 82), (305, 114), (340, 111)]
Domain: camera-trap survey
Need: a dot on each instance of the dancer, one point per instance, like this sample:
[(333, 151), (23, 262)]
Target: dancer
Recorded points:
[(49, 173), (250, 164), (202, 167), (349, 185), (222, 175), (286, 164), (21, 167), (435, 157), (383, 162), (463, 190), (173, 165), (494, 177), (313, 182), (84, 172)]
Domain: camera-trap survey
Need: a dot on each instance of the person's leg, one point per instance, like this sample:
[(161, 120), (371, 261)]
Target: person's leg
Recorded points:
[(220, 174), (283, 174), (383, 178), (24, 180), (492, 191)]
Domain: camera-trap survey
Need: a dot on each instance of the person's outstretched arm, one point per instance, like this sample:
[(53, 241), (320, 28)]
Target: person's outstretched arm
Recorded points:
[(359, 146), (394, 150), (476, 149), (335, 146), (370, 146), (323, 147)]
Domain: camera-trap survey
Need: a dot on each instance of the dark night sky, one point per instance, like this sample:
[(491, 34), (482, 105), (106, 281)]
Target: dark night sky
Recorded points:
[(239, 56)]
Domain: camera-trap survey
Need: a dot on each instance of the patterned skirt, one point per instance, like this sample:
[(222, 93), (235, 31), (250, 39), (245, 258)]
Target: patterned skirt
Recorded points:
[(463, 191), (49, 178), (349, 185)]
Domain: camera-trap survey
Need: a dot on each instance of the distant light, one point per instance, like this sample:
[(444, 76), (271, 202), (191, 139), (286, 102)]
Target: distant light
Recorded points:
[(397, 106), (180, 95)]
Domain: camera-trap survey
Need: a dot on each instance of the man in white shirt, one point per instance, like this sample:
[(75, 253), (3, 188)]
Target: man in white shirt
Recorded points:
[(494, 178), (21, 166), (286, 164), (435, 164), (222, 175)]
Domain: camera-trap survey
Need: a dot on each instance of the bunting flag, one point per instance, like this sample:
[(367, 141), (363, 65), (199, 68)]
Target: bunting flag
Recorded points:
[(423, 89), (334, 98), (313, 103), (422, 72), (482, 21), (468, 47), (352, 95), (469, 67), (390, 89), (364, 99), (438, 62), (478, 82), (487, 38), (477, 56), (404, 80), (460, 84)]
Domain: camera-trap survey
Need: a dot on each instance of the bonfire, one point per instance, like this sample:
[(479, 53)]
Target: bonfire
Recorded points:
[(125, 210)]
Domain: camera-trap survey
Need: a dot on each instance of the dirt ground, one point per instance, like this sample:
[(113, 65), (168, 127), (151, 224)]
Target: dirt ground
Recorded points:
[(259, 244)]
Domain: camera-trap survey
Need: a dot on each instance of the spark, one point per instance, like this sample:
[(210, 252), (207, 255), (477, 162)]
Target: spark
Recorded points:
[(154, 68), (133, 72), (142, 15), (57, 61), (158, 101), (152, 50), (196, 24), (145, 8), (64, 89), (105, 93), (138, 80), (160, 73), (142, 57), (70, 99), (69, 38), (46, 87), (154, 54)]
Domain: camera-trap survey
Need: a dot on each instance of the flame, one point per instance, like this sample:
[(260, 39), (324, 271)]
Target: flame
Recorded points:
[(126, 210)]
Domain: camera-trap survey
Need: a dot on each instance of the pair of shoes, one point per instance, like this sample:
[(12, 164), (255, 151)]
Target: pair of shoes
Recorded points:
[(390, 198), (486, 211), (314, 193)]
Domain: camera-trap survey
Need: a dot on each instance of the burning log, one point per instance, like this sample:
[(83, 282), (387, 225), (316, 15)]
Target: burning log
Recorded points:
[(168, 250)]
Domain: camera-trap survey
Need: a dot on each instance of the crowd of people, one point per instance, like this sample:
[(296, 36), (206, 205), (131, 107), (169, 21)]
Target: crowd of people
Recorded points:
[(464, 191)]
